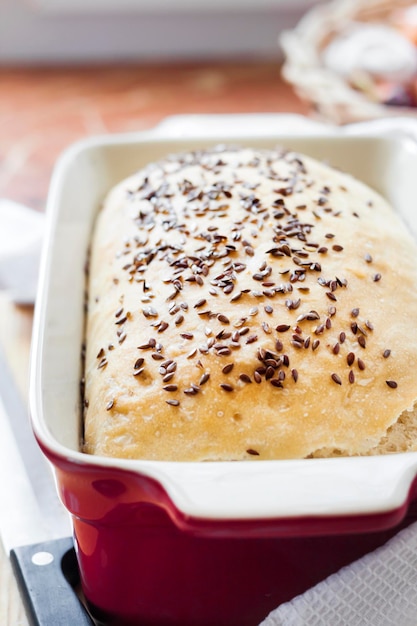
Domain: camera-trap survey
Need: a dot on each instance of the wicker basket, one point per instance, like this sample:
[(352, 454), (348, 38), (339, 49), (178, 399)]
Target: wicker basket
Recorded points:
[(331, 97)]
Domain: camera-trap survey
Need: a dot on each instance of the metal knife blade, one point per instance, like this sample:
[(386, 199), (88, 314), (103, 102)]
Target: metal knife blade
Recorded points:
[(34, 526)]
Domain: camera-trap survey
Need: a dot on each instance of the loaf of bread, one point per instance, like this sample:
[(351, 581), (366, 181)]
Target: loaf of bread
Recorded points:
[(248, 305)]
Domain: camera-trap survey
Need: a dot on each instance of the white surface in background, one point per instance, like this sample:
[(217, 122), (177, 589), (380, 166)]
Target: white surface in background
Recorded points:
[(139, 6), (21, 233), (31, 34), (26, 517)]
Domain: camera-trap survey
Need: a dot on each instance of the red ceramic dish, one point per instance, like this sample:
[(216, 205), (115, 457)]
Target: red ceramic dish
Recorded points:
[(194, 544), (143, 562)]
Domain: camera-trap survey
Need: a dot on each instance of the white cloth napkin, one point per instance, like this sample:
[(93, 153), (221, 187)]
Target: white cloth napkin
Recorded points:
[(380, 589), (21, 234)]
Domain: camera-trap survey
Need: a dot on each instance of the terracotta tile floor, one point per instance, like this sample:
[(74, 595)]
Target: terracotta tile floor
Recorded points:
[(44, 110)]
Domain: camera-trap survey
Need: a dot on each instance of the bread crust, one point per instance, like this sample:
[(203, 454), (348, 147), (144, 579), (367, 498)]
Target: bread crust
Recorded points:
[(248, 305)]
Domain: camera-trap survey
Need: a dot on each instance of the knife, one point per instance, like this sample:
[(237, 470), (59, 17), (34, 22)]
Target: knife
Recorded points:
[(35, 528)]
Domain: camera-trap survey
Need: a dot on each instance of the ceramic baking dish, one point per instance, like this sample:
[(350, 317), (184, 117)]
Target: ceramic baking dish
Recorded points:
[(218, 543)]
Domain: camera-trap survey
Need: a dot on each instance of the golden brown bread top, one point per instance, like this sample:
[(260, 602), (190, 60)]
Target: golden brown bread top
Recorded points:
[(247, 305)]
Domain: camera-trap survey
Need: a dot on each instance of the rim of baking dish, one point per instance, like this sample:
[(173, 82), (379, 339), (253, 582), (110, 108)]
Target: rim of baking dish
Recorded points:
[(245, 489)]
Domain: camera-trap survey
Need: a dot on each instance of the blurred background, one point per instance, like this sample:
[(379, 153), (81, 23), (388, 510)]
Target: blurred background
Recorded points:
[(51, 31), (70, 68)]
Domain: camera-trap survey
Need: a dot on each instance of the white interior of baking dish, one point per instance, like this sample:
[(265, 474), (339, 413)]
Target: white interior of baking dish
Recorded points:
[(262, 489)]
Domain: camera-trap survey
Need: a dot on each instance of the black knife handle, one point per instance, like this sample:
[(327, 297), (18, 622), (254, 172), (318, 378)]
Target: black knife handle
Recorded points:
[(46, 573)]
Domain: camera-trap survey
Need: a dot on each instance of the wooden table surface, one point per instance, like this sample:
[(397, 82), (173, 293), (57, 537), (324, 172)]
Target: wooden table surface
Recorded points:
[(43, 110)]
